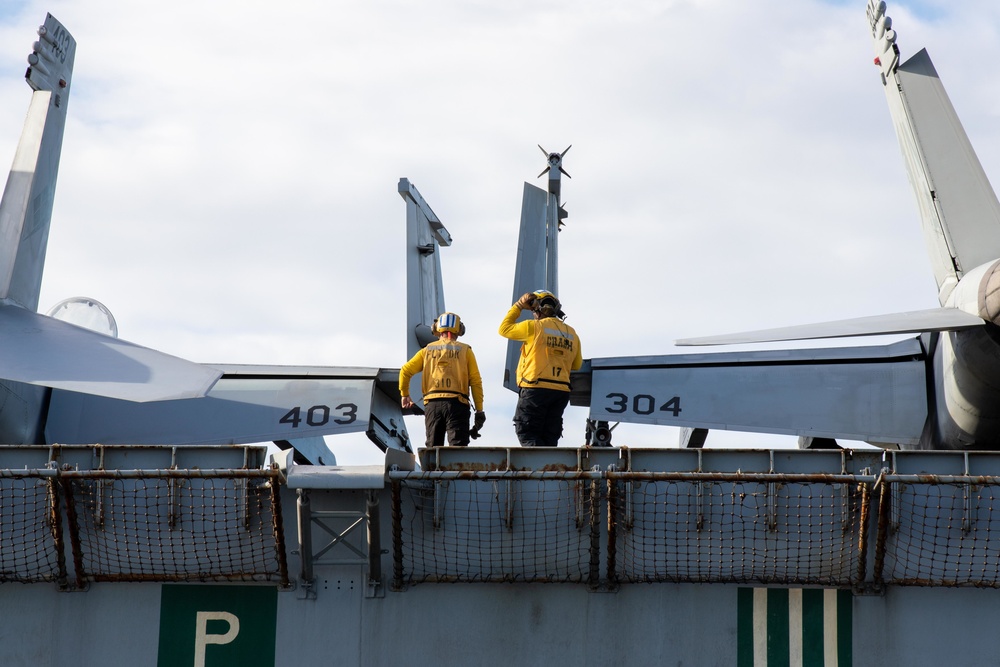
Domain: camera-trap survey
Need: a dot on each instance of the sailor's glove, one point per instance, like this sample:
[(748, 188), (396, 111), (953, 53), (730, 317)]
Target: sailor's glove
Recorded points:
[(526, 300), (478, 425)]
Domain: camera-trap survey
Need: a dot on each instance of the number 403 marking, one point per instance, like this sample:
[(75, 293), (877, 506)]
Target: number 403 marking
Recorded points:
[(319, 415), (643, 404)]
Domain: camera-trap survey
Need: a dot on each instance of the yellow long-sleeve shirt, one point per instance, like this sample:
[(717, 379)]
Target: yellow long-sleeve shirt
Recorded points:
[(550, 350), (449, 371)]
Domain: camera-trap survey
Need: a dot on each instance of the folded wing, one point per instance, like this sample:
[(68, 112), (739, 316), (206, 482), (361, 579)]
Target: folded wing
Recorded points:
[(44, 351), (919, 321), (248, 404)]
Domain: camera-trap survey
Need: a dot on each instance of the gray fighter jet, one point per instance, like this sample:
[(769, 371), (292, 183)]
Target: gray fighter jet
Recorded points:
[(65, 377), (940, 390)]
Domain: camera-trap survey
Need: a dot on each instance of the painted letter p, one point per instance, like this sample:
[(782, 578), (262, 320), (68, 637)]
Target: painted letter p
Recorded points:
[(203, 639)]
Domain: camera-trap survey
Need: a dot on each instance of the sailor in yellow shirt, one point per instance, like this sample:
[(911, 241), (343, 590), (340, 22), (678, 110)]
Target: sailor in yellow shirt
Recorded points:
[(550, 350), (450, 372)]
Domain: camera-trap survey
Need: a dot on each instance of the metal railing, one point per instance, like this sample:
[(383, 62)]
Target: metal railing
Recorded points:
[(607, 528), (79, 526)]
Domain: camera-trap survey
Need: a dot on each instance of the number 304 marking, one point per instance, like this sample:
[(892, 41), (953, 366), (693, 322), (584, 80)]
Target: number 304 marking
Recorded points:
[(643, 404), (319, 415)]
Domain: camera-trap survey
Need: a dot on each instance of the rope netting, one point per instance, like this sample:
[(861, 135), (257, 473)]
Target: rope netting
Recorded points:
[(741, 532), (598, 529), (75, 527), (29, 535), (195, 529), (493, 530), (941, 535)]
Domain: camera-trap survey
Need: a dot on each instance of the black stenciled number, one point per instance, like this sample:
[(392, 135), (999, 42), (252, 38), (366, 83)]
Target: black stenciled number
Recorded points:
[(621, 403), (673, 406), (643, 404), (293, 417), (350, 413), (324, 417), (60, 39), (319, 415)]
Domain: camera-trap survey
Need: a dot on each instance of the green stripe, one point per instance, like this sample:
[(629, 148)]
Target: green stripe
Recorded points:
[(812, 627), (845, 628), (744, 627), (777, 627)]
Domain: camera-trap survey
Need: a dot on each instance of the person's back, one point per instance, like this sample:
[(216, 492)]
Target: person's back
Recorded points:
[(550, 350), (450, 375), (446, 369)]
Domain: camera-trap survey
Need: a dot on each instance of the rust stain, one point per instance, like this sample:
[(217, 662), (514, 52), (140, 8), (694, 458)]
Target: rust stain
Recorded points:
[(473, 466)]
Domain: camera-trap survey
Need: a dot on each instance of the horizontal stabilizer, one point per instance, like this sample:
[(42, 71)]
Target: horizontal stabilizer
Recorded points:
[(248, 404), (874, 394), (44, 351), (918, 321)]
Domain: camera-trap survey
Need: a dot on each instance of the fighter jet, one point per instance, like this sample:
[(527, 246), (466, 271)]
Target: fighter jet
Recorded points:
[(939, 390), (65, 377)]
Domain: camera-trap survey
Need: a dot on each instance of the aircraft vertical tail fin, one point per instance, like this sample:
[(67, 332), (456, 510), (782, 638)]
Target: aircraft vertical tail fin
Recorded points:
[(26, 205), (537, 265), (425, 235), (959, 211)]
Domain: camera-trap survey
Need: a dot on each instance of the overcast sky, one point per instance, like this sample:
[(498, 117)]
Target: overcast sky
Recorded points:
[(229, 171)]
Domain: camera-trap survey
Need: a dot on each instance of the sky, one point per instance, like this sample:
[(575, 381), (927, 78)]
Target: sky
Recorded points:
[(228, 181)]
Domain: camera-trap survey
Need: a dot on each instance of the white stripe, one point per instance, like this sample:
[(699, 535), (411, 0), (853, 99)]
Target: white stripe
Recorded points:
[(795, 626), (760, 627), (830, 619), (557, 332)]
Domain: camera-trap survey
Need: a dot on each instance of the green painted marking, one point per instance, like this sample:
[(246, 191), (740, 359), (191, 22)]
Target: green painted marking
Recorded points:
[(777, 627), (812, 627), (744, 627), (845, 628), (213, 626), (814, 621)]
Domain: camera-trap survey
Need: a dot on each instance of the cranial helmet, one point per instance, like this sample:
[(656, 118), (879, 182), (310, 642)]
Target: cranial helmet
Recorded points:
[(546, 304), (545, 298), (450, 322)]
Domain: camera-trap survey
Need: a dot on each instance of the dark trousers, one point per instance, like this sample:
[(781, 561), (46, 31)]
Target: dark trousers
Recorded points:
[(538, 418), (446, 415)]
